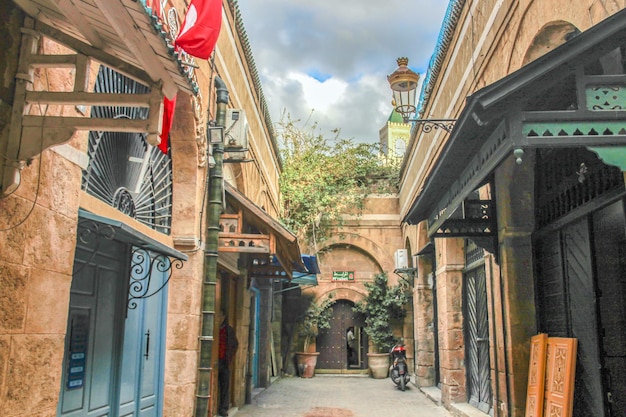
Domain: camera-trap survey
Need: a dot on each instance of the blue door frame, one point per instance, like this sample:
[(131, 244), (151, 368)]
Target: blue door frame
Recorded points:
[(255, 336)]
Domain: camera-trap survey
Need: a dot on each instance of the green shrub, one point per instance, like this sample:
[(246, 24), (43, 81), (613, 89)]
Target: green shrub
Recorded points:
[(316, 317), (382, 305)]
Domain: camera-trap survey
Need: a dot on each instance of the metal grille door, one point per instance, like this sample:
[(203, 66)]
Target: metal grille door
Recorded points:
[(477, 342)]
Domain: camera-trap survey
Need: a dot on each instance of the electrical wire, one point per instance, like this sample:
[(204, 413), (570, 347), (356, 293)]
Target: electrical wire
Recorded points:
[(43, 113)]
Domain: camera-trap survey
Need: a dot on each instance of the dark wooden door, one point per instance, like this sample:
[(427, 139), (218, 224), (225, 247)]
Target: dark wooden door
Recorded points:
[(567, 299), (609, 240), (477, 339), (582, 294), (332, 343)]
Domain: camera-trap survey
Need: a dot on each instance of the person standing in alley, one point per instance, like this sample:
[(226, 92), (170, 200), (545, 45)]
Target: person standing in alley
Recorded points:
[(227, 347), (350, 343)]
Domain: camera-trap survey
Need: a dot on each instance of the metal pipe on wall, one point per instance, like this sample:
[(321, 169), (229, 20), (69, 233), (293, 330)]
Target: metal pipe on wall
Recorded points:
[(209, 333)]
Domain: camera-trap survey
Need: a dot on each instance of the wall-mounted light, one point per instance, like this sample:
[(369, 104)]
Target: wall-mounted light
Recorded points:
[(403, 82), (216, 134)]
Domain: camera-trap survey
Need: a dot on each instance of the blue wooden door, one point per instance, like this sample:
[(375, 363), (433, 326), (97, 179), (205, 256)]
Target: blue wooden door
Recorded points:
[(255, 334), (114, 354), (144, 336), (93, 340)]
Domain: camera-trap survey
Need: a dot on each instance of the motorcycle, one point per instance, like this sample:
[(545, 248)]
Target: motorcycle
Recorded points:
[(399, 369)]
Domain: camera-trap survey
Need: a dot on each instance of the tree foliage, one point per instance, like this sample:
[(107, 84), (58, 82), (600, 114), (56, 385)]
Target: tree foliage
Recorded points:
[(324, 178), (381, 306), (316, 317)]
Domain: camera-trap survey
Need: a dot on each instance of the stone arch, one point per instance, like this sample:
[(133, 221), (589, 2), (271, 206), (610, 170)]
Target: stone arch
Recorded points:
[(349, 294), (186, 173), (234, 174), (409, 250), (381, 257), (540, 29), (263, 200), (550, 36)]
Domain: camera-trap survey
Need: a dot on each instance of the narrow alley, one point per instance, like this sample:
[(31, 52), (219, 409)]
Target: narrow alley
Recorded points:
[(339, 396)]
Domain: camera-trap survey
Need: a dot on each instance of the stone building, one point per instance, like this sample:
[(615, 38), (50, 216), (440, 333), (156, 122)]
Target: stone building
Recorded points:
[(115, 252), (394, 136), (362, 247), (516, 216)]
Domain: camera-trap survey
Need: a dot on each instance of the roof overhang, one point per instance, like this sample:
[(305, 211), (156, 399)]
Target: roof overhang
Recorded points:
[(299, 278), (498, 119), (269, 240), (120, 231), (123, 34)]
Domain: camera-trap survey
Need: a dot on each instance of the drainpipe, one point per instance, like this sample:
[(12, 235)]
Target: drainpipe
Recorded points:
[(208, 349)]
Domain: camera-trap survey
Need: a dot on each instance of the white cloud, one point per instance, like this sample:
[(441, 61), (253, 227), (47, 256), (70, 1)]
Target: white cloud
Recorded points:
[(334, 56), (320, 95)]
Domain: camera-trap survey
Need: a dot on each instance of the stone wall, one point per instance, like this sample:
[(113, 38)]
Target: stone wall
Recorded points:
[(491, 40), (37, 241)]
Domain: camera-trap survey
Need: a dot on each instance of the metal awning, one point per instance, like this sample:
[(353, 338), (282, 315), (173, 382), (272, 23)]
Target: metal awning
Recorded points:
[(126, 234), (308, 278), (123, 32), (504, 117)]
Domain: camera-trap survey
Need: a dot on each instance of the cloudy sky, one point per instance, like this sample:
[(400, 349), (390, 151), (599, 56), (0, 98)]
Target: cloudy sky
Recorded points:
[(328, 60)]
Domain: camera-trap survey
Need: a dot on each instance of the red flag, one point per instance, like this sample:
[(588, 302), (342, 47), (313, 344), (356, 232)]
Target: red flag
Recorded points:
[(201, 28), (168, 119)]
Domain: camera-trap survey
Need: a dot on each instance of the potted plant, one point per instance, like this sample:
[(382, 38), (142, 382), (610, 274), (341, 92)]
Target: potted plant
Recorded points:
[(316, 317), (382, 305)]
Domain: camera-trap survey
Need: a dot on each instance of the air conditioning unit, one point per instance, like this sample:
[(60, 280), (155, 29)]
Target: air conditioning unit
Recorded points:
[(235, 130), (402, 259)]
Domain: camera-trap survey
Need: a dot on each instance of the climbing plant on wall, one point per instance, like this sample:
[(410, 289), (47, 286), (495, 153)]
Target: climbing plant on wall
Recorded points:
[(325, 177)]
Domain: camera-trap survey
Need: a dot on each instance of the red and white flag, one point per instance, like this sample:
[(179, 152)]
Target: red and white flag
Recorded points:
[(168, 119), (201, 28)]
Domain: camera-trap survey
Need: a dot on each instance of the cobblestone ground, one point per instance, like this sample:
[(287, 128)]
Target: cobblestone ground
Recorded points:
[(339, 396)]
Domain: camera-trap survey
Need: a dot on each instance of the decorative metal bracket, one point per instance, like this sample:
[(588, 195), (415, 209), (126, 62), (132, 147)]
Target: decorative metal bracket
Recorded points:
[(144, 264), (91, 234), (407, 275), (429, 124), (476, 219)]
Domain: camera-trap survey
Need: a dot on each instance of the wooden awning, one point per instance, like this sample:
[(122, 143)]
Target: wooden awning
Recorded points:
[(525, 111), (119, 33), (246, 228), (123, 35)]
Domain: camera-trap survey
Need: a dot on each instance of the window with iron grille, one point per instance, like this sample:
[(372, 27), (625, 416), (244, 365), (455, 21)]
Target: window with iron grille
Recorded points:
[(125, 171)]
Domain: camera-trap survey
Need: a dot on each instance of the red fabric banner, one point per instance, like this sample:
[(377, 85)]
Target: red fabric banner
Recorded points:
[(168, 119), (201, 28)]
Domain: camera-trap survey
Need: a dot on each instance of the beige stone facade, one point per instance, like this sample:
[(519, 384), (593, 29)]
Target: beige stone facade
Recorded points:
[(39, 221), (482, 43)]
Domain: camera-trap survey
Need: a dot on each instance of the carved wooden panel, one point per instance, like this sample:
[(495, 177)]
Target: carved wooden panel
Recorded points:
[(536, 376), (560, 373), (245, 243)]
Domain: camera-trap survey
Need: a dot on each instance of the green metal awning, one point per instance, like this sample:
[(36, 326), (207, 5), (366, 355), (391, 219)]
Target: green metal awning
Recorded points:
[(515, 113)]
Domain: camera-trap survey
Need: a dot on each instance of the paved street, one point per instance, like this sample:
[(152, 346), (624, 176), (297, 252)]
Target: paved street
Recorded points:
[(339, 396)]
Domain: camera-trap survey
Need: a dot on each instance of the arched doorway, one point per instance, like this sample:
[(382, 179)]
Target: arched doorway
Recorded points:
[(335, 352)]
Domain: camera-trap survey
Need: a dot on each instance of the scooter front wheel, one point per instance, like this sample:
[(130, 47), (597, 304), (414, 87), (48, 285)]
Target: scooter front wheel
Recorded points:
[(402, 383)]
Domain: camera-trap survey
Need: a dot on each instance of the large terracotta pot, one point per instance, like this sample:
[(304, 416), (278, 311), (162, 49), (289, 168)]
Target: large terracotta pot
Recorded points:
[(378, 364), (306, 363)]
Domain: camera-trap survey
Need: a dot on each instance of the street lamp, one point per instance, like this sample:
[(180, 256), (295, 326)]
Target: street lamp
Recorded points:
[(403, 83)]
